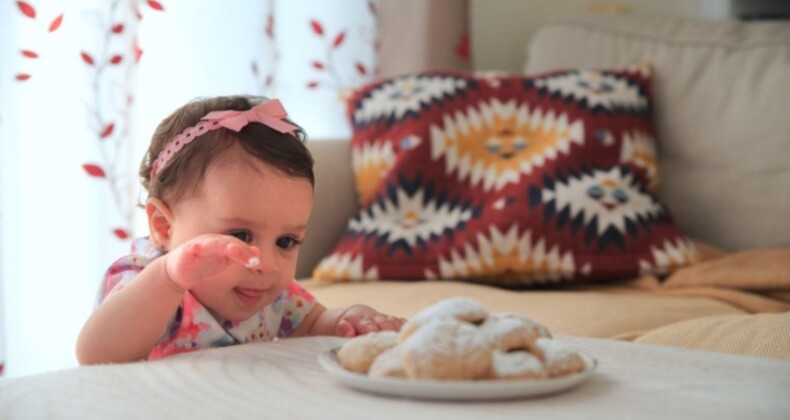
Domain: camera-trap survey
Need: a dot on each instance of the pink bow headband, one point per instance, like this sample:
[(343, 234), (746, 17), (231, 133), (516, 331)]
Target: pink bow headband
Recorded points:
[(269, 113)]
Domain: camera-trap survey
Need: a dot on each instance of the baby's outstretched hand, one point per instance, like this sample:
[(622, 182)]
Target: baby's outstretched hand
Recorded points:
[(361, 319), (207, 256)]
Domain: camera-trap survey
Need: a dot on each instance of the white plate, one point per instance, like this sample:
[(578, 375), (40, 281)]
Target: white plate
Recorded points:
[(453, 390)]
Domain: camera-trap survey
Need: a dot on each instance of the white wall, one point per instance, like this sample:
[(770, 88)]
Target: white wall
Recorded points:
[(501, 28), (8, 34)]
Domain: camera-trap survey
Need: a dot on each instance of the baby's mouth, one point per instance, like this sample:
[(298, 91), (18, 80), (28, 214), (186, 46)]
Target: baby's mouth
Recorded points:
[(249, 295)]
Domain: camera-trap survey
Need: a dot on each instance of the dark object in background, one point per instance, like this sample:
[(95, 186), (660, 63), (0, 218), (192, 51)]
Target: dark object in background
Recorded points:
[(759, 10)]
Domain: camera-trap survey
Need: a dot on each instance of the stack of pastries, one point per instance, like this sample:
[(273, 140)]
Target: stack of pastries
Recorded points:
[(458, 339)]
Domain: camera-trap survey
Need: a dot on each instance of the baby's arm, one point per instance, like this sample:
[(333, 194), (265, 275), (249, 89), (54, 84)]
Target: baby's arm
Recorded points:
[(129, 323), (347, 322)]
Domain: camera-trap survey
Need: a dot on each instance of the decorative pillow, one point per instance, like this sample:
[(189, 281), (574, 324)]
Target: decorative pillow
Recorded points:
[(506, 179)]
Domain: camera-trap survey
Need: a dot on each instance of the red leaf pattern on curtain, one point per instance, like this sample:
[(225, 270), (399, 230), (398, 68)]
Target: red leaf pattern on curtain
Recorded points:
[(110, 99), (267, 79), (56, 23), (328, 65), (138, 52), (29, 11), (339, 39), (87, 58), (26, 9), (155, 5), (121, 233), (268, 29), (361, 69), (94, 170), (318, 29), (107, 131)]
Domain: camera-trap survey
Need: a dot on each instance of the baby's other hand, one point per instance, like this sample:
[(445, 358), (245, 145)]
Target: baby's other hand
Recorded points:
[(361, 319), (207, 256)]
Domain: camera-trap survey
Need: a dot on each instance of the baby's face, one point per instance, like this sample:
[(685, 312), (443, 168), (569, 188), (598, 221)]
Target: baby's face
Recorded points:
[(263, 207)]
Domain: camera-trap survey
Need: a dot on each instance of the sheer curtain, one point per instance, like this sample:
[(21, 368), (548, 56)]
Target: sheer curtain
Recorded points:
[(84, 83)]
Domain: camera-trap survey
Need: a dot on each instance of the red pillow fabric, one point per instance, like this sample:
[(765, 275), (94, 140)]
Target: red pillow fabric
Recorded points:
[(506, 179)]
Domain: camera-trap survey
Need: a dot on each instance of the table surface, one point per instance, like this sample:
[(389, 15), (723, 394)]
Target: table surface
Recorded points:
[(283, 379)]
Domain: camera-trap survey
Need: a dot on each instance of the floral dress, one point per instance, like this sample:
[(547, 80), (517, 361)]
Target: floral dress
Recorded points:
[(193, 327)]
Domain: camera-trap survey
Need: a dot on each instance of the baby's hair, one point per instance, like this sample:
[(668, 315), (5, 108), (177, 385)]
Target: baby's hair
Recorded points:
[(185, 170)]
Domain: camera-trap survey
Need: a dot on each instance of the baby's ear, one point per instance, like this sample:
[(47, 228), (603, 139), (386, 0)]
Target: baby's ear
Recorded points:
[(159, 219)]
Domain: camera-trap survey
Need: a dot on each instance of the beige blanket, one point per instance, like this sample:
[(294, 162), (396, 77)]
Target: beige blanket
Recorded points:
[(735, 303)]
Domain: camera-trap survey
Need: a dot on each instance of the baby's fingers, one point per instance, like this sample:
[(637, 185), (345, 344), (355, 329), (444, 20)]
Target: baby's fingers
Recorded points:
[(365, 326), (388, 323), (345, 329), (243, 254), (227, 247)]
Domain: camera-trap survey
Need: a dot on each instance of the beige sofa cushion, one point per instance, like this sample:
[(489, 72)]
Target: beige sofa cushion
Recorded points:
[(722, 121), (621, 313), (766, 335)]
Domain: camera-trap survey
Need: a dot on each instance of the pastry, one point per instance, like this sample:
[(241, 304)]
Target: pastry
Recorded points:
[(508, 332), (446, 348), (516, 365), (359, 353), (457, 339), (559, 358), (388, 364), (461, 308)]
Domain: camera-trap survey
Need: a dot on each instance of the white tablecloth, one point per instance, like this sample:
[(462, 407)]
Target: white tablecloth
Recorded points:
[(283, 380)]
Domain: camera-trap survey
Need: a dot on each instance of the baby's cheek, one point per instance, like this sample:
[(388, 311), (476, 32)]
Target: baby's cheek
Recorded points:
[(283, 283), (278, 287)]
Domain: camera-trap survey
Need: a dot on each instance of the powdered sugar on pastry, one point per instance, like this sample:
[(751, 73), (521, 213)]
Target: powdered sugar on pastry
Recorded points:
[(510, 331), (516, 365), (458, 339), (559, 358), (446, 348), (388, 364), (461, 308), (359, 353)]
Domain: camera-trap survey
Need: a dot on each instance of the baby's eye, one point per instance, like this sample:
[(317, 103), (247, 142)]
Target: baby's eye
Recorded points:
[(287, 242), (242, 235)]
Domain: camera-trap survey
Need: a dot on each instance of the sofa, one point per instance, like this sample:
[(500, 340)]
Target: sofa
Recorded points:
[(724, 149), (723, 140)]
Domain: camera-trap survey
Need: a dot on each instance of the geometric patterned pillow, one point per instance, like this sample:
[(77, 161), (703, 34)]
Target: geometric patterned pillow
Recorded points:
[(506, 179)]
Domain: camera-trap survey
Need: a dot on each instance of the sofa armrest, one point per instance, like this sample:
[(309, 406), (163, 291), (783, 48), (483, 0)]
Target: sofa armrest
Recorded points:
[(335, 201)]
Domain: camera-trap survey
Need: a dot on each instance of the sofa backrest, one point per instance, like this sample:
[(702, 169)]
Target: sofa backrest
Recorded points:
[(335, 201), (722, 114)]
